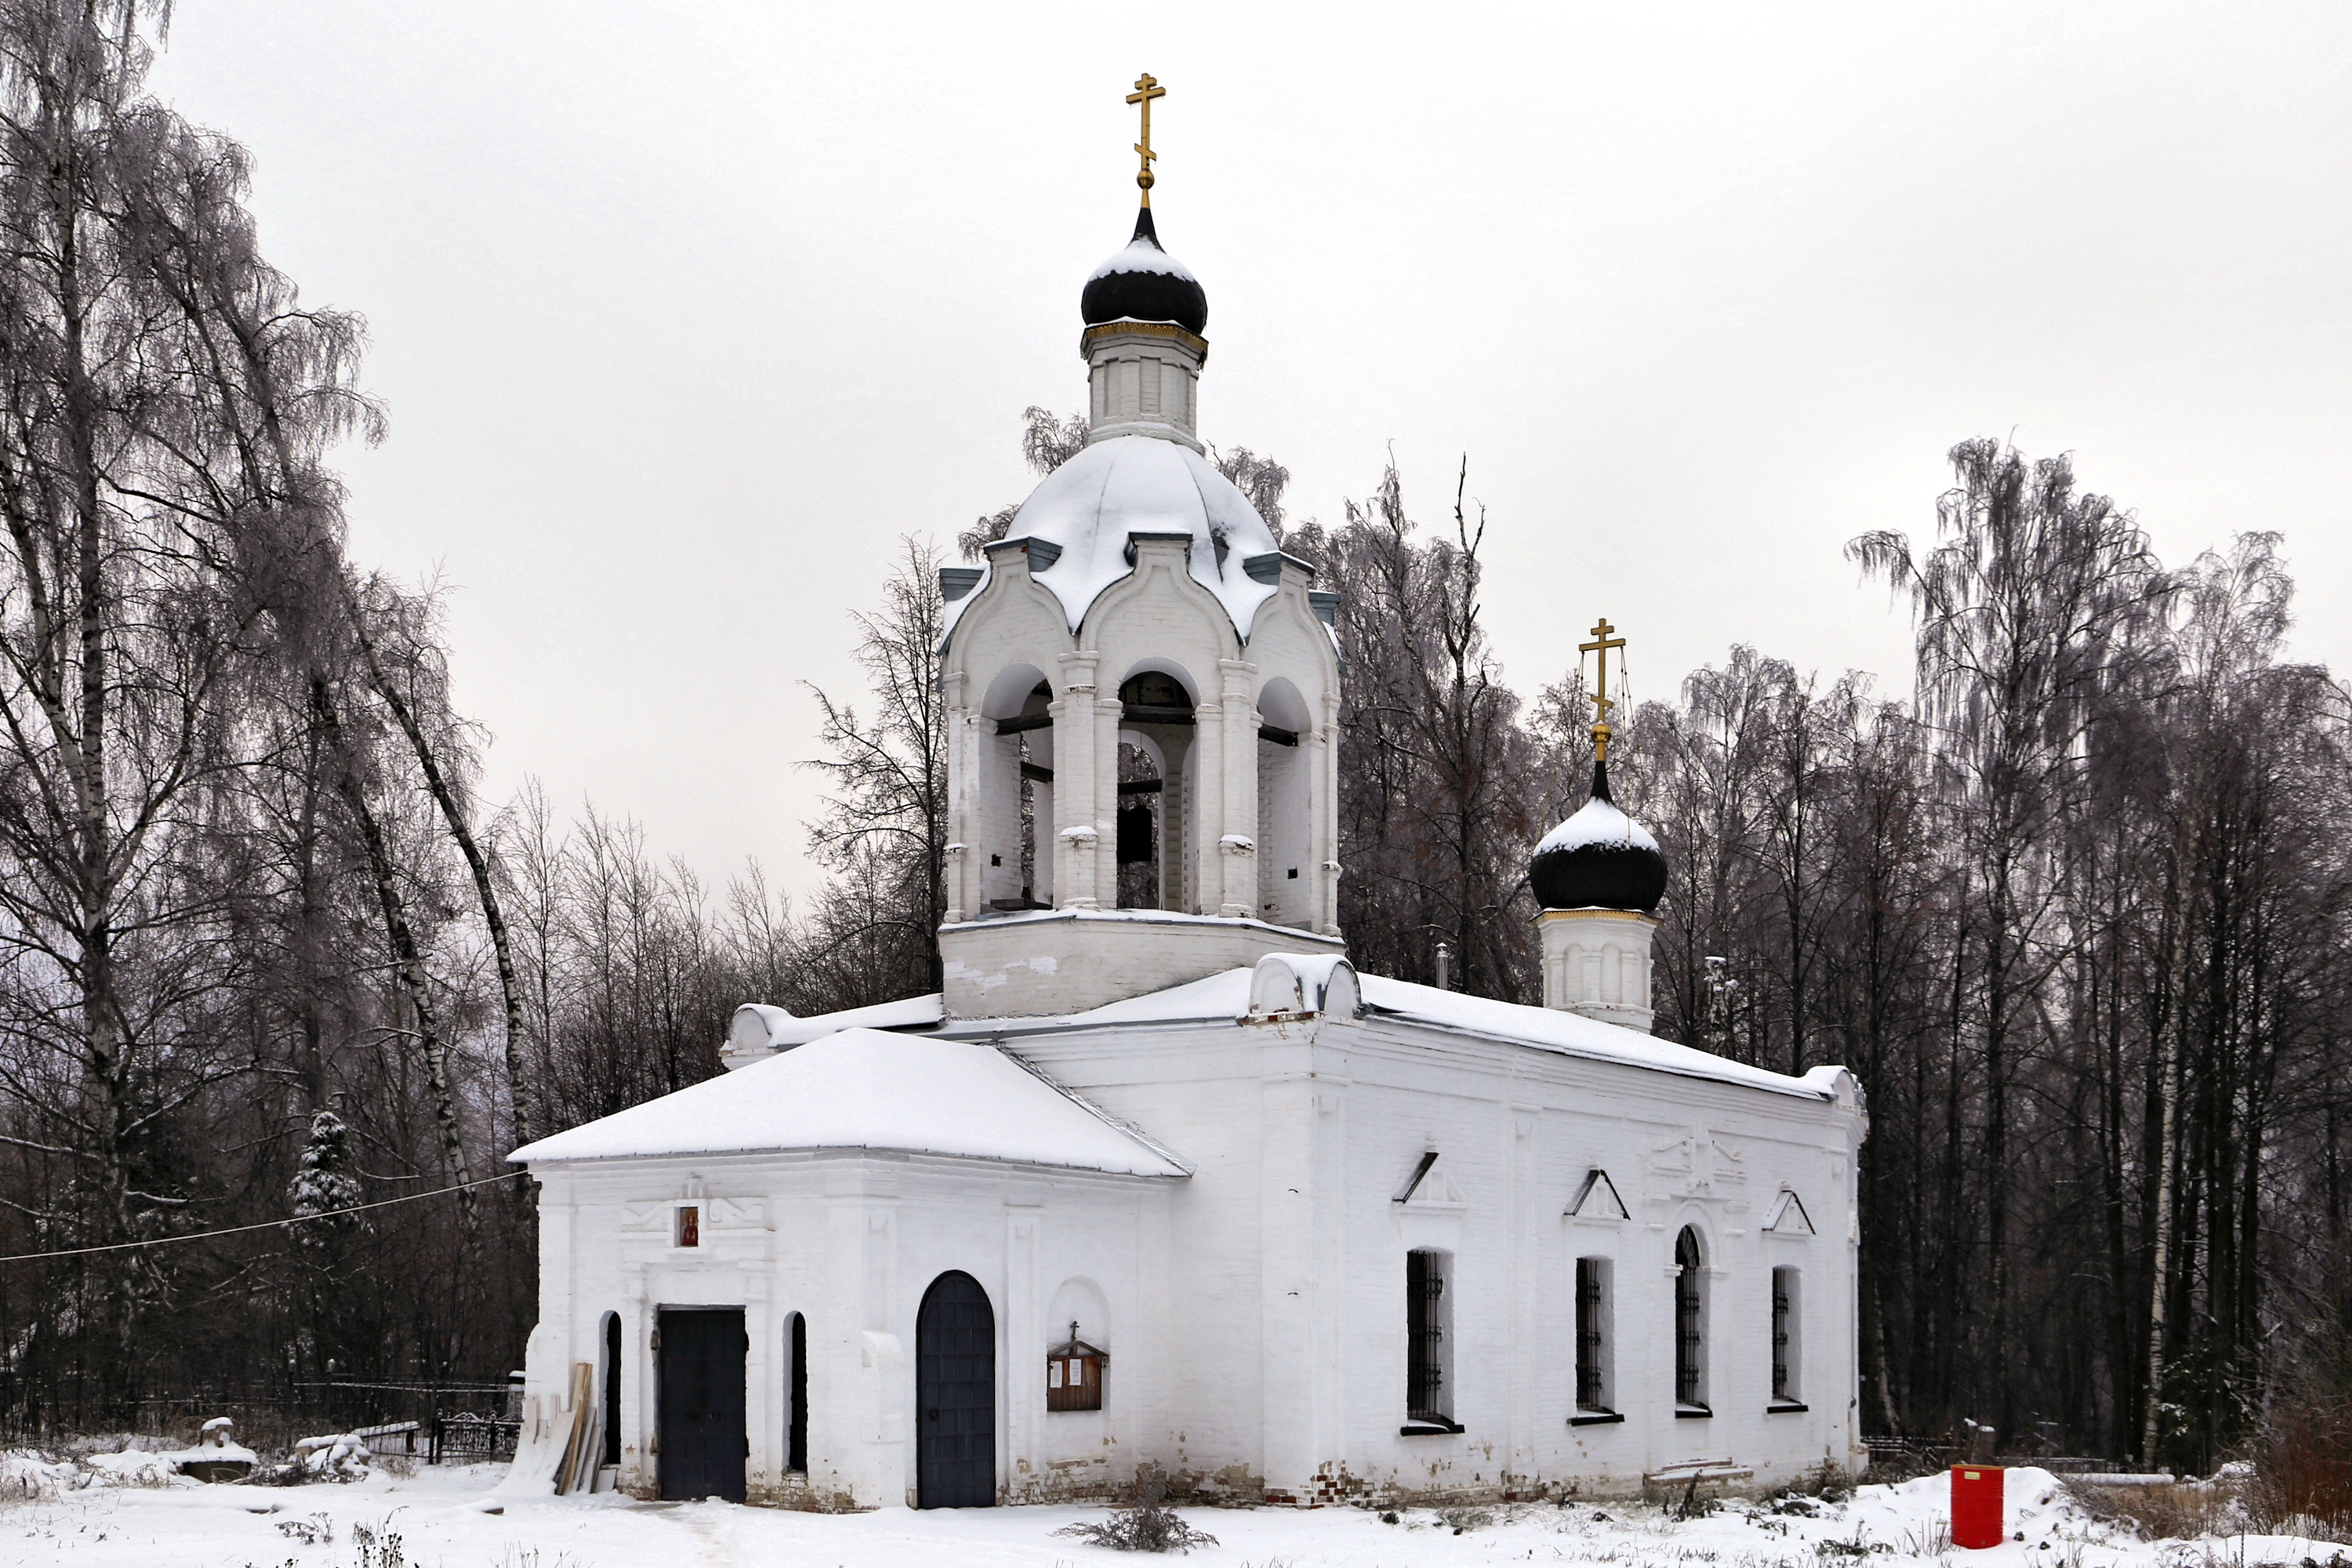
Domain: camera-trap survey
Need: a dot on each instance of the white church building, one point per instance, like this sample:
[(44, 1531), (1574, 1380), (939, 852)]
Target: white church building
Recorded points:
[(1160, 1183)]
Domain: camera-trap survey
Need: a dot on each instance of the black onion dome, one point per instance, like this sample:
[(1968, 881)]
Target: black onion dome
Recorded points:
[(1144, 283), (1599, 859)]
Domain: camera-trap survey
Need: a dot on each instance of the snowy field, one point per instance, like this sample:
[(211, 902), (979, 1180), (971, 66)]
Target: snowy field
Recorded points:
[(441, 1520)]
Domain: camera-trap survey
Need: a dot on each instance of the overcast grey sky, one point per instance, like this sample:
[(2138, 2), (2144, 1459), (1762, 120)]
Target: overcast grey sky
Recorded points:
[(685, 313)]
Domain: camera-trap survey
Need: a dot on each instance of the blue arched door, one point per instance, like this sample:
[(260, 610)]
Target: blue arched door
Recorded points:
[(955, 1395)]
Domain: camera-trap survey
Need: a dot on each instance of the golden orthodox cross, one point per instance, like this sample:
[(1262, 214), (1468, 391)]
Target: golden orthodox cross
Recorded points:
[(1601, 644), (1146, 89)]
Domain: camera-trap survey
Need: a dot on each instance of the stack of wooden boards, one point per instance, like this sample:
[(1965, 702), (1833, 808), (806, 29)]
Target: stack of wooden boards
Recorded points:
[(584, 1448)]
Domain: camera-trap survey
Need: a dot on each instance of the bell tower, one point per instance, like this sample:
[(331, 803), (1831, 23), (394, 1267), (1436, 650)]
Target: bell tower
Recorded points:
[(1142, 692)]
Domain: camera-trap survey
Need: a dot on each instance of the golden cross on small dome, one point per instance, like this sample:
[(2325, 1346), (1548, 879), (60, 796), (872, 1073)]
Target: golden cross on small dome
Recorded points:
[(1601, 644), (1146, 89)]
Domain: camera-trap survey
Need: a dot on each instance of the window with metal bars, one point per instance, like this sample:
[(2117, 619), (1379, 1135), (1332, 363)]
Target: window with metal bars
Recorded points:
[(1787, 1346), (1690, 1327), (1592, 1394), (796, 1397), (1428, 1399)]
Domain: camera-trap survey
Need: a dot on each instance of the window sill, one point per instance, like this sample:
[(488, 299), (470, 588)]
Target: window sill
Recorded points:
[(1594, 1418), (1425, 1427), (1693, 1413), (1784, 1407)]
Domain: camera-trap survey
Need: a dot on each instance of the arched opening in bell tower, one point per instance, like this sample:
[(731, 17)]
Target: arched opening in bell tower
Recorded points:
[(1287, 877), (1016, 791), (1157, 733), (1142, 789)]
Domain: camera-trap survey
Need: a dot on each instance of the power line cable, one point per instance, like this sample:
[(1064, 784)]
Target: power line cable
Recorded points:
[(265, 1224)]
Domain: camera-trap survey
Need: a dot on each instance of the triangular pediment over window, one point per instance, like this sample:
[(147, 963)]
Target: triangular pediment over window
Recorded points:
[(1789, 1216), (1597, 1198), (1430, 1184)]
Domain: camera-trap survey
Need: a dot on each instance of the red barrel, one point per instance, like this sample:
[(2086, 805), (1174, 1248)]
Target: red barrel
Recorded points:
[(1976, 1505)]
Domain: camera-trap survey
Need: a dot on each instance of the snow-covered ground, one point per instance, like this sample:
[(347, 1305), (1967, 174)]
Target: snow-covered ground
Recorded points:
[(443, 1520)]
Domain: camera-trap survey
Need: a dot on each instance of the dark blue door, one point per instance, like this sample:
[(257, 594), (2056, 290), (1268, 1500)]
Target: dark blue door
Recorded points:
[(955, 1395), (703, 1439)]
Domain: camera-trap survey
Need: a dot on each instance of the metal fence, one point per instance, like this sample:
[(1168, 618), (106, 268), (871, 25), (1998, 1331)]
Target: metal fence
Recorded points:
[(397, 1417), (459, 1422)]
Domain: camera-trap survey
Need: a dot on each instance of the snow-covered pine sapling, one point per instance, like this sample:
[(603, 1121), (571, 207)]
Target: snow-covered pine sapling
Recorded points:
[(323, 1187)]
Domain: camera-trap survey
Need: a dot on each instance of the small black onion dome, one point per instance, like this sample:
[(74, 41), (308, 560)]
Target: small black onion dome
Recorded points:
[(1599, 859), (1144, 283)]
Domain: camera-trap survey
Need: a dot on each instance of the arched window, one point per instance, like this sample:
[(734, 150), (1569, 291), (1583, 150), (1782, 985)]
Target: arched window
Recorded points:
[(796, 1393), (1788, 1341), (1142, 811), (1429, 1350), (1285, 877), (1594, 1397), (1157, 728), (1690, 1327), (1016, 791), (612, 1388)]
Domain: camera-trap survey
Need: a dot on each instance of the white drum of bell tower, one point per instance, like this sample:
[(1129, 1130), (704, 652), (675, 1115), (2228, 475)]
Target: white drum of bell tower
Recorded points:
[(1144, 379)]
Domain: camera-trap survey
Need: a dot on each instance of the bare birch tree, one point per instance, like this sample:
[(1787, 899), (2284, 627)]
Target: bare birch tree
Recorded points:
[(884, 824)]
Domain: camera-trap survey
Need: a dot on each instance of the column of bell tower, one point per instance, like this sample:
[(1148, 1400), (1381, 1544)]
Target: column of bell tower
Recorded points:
[(1077, 842)]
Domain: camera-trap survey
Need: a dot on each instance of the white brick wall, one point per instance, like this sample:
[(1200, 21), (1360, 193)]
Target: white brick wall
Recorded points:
[(1255, 1310)]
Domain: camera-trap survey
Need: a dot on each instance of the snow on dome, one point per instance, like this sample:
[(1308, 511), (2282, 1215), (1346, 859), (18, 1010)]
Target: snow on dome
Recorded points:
[(1144, 283), (1142, 254), (1142, 484), (863, 1088), (1600, 821), (1599, 859)]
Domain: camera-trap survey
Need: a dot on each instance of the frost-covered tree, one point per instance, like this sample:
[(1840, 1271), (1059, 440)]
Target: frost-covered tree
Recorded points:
[(165, 404), (1440, 784), (883, 831), (324, 1190)]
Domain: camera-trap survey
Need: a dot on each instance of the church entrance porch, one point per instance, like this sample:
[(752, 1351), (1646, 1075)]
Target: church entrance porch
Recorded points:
[(955, 1395), (702, 1437)]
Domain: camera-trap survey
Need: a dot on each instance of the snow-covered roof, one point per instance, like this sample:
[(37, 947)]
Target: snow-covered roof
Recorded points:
[(1227, 995), (864, 1089), (1572, 1033), (759, 1026), (1598, 822), (1142, 484)]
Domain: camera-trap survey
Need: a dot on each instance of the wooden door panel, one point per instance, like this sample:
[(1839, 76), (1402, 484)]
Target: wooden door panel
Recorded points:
[(704, 1442), (955, 1395)]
